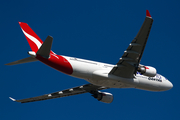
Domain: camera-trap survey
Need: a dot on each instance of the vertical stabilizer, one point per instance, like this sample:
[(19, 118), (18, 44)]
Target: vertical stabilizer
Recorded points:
[(34, 41)]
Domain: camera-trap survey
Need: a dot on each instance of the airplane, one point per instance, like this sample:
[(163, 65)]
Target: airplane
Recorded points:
[(127, 73)]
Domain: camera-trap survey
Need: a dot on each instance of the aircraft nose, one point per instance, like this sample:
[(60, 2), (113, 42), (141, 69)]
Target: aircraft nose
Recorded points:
[(169, 85)]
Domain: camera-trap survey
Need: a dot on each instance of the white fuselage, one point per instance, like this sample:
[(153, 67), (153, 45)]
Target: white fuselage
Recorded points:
[(97, 73)]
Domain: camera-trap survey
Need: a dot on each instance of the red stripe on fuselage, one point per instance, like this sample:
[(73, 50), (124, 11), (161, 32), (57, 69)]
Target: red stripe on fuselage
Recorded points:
[(57, 62)]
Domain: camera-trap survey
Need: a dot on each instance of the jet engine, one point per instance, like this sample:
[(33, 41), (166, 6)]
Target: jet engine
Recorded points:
[(103, 96), (147, 71)]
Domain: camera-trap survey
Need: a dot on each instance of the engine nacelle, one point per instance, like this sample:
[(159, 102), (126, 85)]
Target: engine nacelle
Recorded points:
[(103, 96), (147, 71)]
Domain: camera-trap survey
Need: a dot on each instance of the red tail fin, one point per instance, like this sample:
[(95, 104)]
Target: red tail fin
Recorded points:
[(34, 41)]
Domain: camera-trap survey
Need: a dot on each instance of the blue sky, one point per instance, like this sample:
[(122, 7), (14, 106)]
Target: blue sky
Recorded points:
[(95, 30)]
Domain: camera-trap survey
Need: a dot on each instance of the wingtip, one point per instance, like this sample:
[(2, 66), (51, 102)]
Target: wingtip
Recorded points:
[(148, 14), (12, 99), (21, 23), (7, 64)]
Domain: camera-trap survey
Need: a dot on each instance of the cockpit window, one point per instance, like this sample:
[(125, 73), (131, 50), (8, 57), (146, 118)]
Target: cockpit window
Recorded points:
[(158, 76)]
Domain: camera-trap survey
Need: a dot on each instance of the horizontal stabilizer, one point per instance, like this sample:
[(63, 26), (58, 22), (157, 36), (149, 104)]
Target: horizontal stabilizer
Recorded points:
[(45, 48), (25, 60)]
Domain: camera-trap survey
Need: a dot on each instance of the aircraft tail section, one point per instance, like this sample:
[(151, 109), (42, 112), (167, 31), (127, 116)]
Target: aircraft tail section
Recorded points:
[(37, 45), (34, 41)]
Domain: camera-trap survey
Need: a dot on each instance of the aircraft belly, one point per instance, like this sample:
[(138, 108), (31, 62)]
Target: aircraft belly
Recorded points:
[(110, 83), (102, 78)]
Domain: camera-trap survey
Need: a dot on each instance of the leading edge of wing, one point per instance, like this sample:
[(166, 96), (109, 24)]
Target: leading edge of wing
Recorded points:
[(68, 92)]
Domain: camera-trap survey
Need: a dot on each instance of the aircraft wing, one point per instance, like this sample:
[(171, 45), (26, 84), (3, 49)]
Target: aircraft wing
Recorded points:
[(68, 92), (128, 63)]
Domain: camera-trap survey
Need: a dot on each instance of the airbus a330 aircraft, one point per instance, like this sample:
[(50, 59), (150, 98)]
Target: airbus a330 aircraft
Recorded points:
[(127, 73)]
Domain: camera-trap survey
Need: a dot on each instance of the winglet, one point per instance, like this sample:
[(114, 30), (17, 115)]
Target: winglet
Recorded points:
[(12, 99), (148, 14)]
